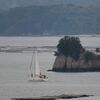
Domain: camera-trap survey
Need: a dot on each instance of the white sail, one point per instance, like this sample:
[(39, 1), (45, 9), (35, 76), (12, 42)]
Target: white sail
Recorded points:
[(34, 68)]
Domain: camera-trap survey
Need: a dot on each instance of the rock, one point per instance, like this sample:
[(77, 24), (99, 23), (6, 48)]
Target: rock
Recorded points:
[(67, 64), (60, 63)]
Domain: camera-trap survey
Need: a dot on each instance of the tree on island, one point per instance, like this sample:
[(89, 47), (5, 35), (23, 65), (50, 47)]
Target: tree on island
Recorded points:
[(70, 47), (88, 56)]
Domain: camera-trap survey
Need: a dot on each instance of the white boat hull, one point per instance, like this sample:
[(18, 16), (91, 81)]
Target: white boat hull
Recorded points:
[(38, 80)]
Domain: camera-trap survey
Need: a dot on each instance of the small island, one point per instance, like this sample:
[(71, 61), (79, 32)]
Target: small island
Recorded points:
[(71, 56)]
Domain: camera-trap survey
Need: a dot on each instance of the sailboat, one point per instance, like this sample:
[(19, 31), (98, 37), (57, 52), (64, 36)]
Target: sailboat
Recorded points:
[(36, 75)]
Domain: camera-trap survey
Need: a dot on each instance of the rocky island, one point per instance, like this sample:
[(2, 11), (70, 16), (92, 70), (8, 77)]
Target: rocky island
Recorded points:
[(72, 57)]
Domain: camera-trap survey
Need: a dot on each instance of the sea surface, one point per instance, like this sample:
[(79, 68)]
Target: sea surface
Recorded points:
[(14, 71)]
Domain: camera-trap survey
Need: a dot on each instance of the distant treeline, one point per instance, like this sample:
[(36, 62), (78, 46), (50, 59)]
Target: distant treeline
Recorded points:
[(50, 20)]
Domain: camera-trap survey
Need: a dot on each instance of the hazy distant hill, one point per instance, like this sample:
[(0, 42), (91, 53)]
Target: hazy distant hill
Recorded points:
[(5, 4), (50, 20)]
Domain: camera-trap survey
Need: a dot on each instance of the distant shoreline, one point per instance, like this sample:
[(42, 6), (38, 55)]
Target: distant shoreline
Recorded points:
[(93, 35), (10, 49)]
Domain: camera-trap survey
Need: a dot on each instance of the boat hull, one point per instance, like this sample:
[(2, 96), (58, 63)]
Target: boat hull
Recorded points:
[(38, 80)]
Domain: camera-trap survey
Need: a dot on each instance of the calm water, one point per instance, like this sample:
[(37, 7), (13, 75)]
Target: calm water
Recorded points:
[(14, 70)]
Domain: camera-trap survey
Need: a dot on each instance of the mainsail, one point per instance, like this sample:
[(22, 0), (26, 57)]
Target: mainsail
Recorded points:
[(34, 68), (36, 65)]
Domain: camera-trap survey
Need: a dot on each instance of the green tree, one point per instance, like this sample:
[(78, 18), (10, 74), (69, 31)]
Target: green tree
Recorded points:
[(70, 47), (88, 56)]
